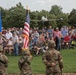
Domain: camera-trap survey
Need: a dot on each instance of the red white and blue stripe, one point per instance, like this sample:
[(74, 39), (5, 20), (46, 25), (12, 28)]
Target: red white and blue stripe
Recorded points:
[(26, 31)]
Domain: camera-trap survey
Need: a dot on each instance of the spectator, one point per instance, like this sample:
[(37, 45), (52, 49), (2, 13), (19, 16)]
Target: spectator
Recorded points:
[(50, 32), (20, 44), (73, 40), (39, 45), (66, 40), (8, 35), (57, 36), (20, 31), (1, 39), (64, 32), (10, 46), (16, 45), (36, 34)]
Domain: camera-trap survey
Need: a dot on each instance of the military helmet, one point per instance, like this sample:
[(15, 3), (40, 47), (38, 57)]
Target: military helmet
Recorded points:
[(26, 52), (1, 48), (51, 44)]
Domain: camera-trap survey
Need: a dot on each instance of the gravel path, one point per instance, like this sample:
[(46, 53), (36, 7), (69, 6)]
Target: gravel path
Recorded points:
[(43, 74)]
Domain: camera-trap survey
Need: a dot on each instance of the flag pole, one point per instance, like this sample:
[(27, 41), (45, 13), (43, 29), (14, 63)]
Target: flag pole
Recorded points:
[(27, 8), (26, 32)]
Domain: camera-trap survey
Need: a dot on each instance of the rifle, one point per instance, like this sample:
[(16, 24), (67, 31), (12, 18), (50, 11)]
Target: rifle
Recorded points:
[(25, 60), (3, 63)]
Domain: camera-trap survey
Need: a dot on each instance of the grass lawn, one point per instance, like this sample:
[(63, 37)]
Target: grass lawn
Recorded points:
[(69, 60)]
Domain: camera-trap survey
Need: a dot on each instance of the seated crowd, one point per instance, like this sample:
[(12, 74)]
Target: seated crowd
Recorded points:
[(12, 39)]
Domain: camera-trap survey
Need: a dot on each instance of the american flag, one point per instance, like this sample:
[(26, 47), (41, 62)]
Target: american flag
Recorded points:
[(26, 31)]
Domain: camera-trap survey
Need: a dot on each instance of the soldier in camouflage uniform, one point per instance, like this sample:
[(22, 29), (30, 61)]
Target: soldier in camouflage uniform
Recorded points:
[(24, 63), (3, 62), (53, 60)]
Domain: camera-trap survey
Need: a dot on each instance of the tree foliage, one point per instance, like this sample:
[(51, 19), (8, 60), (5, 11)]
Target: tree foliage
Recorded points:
[(15, 17), (72, 17), (56, 10)]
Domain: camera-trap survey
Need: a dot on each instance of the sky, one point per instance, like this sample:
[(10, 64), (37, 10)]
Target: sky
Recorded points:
[(39, 5)]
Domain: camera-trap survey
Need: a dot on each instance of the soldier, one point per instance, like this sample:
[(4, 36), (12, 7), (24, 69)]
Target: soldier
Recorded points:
[(24, 63), (53, 60), (3, 62)]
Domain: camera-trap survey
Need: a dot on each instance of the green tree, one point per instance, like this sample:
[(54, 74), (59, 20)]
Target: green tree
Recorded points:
[(63, 20), (56, 10), (3, 14), (40, 15), (34, 16), (60, 17), (72, 17), (16, 16), (52, 20)]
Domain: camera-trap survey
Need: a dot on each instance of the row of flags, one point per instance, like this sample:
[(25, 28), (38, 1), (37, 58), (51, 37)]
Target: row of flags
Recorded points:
[(25, 30)]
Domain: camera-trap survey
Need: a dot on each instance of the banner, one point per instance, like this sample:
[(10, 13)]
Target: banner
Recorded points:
[(0, 22)]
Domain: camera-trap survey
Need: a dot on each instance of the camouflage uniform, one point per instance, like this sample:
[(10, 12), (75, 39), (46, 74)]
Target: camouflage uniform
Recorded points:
[(24, 64), (53, 60), (3, 63)]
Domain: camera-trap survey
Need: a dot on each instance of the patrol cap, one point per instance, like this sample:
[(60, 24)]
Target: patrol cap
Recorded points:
[(1, 48), (51, 44), (26, 52)]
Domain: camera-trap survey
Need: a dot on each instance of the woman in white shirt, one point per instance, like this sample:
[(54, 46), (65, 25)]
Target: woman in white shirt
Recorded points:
[(10, 45)]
